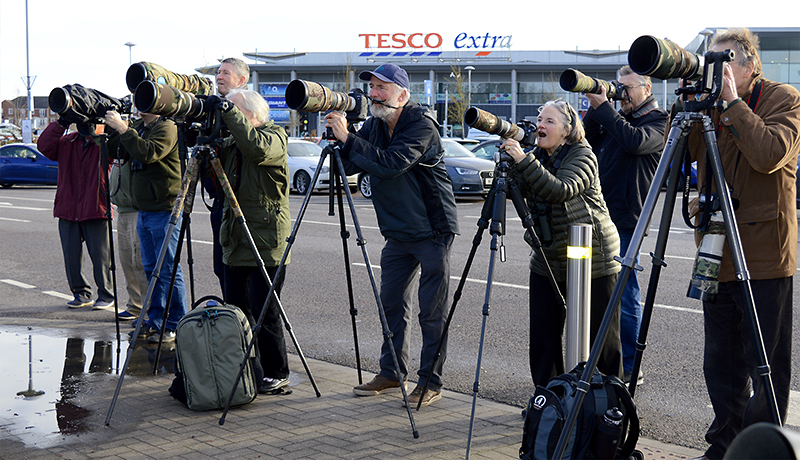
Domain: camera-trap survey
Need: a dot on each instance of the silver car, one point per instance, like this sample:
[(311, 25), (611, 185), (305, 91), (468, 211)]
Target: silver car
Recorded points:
[(303, 159)]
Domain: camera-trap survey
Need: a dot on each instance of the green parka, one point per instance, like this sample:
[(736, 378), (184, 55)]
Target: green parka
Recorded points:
[(254, 160), (155, 164), (568, 184)]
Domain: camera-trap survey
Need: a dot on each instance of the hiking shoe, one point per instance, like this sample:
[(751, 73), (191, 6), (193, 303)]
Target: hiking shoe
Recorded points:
[(378, 385), (103, 304), (431, 396), (126, 316), (79, 303), (270, 385), (144, 332), (169, 336)]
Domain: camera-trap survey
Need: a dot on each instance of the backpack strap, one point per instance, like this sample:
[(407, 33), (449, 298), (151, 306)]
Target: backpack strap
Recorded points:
[(631, 432)]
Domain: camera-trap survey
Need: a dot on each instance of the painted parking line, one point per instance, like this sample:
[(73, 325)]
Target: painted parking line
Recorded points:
[(18, 284), (59, 295)]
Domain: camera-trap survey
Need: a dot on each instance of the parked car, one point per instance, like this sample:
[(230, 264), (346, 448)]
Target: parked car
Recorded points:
[(24, 164), (692, 180), (470, 175), (486, 148), (303, 159)]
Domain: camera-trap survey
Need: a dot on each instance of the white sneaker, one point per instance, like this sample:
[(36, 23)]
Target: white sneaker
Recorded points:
[(103, 304)]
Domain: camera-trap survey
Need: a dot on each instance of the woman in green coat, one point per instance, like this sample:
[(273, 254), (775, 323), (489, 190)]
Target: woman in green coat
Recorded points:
[(560, 179)]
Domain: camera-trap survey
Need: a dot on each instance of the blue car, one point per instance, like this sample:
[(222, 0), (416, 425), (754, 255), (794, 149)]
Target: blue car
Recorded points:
[(23, 164)]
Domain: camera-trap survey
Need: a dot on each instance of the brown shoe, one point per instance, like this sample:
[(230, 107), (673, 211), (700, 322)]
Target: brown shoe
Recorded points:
[(431, 396), (378, 385)]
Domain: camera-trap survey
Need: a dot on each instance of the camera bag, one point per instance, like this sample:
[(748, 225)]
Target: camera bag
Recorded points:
[(210, 346), (549, 407)]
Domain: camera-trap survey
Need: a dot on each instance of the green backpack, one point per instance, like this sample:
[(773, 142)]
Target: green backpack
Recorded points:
[(210, 345)]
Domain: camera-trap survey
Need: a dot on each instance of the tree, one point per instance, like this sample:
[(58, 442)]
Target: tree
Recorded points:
[(457, 100)]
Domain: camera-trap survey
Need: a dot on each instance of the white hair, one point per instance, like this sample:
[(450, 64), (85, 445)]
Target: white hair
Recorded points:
[(253, 103)]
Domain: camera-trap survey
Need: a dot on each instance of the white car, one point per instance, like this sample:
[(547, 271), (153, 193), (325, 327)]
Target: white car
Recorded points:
[(303, 161)]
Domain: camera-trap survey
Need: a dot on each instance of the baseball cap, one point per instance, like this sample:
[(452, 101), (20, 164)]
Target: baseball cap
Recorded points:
[(389, 73)]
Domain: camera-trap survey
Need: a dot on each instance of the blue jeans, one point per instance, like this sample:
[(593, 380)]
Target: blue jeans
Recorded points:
[(630, 306), (152, 228)]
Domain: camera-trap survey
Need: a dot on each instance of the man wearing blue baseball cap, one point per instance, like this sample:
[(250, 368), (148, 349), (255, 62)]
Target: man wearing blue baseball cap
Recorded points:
[(400, 148)]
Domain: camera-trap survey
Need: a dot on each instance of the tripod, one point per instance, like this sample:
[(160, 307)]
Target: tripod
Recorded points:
[(337, 178), (186, 197), (493, 216), (677, 142)]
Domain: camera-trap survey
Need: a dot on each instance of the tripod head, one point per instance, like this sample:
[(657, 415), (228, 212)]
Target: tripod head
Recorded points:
[(710, 82)]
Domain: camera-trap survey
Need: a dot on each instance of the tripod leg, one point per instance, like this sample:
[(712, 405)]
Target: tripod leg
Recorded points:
[(104, 163), (189, 257), (339, 177), (381, 312), (234, 204), (170, 291), (483, 224), (742, 274), (497, 227), (189, 179), (672, 153), (676, 137)]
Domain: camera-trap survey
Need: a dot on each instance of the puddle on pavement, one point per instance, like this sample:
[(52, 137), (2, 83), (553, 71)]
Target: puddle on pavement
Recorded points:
[(43, 380)]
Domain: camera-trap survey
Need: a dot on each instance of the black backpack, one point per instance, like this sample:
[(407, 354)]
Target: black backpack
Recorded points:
[(549, 407)]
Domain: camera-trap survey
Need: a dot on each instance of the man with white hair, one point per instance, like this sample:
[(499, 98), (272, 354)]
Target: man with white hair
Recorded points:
[(399, 146)]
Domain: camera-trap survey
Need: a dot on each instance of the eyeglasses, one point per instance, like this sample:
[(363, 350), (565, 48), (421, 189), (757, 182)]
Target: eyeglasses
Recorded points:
[(630, 87)]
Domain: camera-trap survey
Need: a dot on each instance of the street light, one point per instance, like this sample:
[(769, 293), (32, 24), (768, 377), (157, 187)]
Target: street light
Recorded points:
[(130, 46), (469, 70)]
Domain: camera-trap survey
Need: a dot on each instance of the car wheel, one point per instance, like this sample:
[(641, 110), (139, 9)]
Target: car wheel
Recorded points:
[(301, 182), (364, 185), (6, 185)]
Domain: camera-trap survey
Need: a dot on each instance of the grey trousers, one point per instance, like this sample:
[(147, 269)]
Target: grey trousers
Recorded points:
[(130, 258), (400, 262), (94, 233)]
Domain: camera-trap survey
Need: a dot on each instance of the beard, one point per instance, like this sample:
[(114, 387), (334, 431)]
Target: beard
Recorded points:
[(380, 111)]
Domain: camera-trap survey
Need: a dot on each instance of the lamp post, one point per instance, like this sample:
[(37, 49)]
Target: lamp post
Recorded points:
[(130, 46), (469, 70)]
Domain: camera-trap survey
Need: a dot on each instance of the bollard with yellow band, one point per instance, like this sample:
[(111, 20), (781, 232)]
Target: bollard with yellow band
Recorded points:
[(579, 278)]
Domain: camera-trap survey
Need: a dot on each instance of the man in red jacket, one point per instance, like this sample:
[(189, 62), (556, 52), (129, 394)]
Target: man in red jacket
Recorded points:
[(81, 206)]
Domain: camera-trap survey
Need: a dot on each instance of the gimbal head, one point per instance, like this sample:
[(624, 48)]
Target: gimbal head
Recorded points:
[(710, 82)]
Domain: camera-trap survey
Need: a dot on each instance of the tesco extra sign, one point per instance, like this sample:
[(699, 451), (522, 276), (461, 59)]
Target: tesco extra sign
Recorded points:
[(434, 40)]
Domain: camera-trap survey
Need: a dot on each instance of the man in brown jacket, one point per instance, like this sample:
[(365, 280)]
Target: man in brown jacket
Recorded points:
[(758, 134)]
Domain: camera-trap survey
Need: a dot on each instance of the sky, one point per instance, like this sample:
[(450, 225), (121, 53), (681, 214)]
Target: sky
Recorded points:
[(83, 41)]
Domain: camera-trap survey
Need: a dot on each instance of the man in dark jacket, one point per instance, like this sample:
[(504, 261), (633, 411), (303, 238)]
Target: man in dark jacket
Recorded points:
[(81, 207), (628, 145), (152, 144), (401, 150)]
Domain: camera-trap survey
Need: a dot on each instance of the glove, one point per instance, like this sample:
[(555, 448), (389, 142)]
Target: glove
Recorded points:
[(213, 101)]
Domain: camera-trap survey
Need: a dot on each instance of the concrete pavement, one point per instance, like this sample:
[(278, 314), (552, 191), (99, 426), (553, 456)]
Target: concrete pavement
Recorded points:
[(148, 423)]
